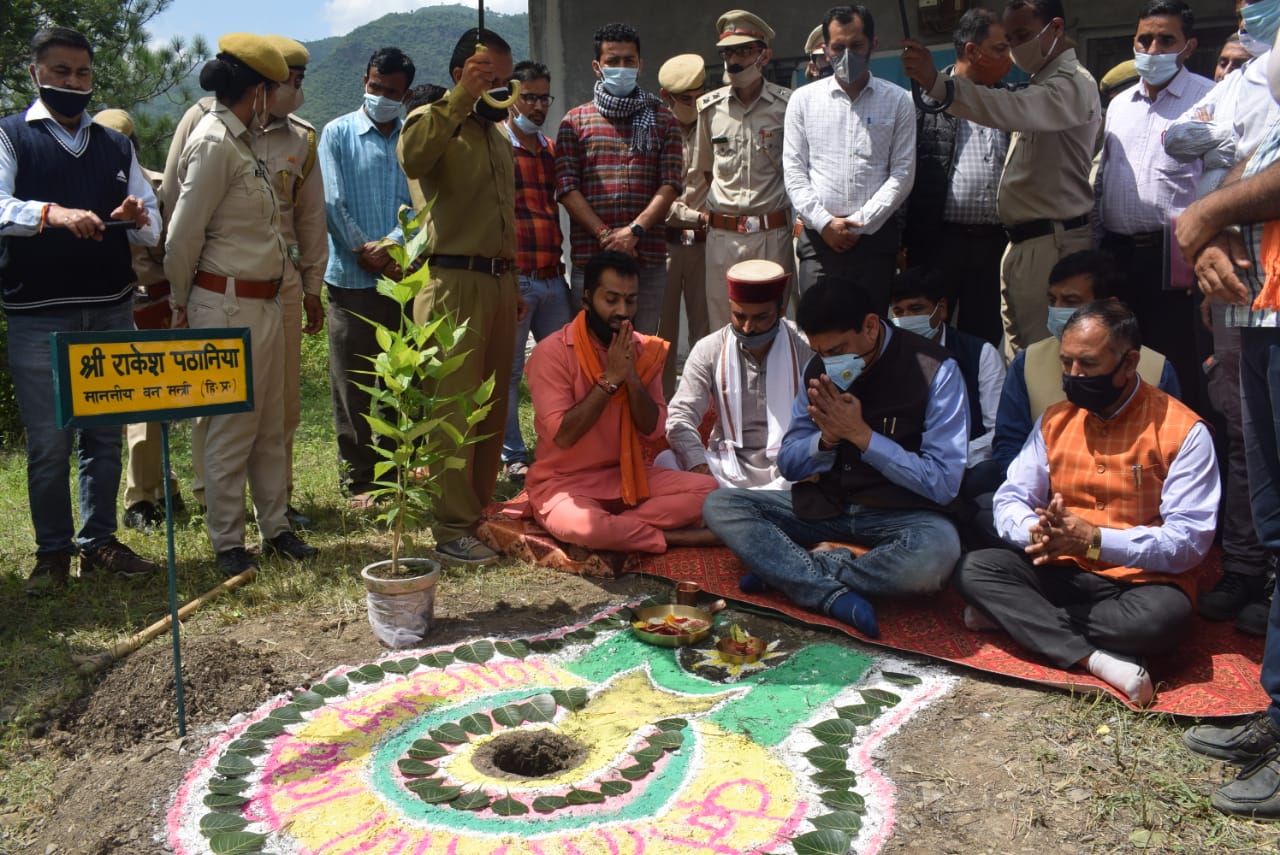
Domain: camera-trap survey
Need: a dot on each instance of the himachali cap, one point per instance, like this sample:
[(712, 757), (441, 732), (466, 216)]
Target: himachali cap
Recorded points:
[(682, 73), (117, 120), (757, 281), (257, 53), (295, 53), (815, 41), (739, 28)]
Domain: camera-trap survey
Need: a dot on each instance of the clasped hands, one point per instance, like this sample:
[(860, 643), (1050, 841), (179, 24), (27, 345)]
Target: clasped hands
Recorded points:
[(1058, 533), (838, 414), (620, 366)]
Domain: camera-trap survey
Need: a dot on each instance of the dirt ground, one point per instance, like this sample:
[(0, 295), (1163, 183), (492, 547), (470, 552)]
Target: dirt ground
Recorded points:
[(989, 768)]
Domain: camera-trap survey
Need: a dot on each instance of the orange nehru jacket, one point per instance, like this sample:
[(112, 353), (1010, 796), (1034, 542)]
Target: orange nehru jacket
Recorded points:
[(1111, 473)]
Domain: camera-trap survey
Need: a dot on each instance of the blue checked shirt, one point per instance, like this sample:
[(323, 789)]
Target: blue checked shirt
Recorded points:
[(1244, 316), (975, 175), (364, 188)]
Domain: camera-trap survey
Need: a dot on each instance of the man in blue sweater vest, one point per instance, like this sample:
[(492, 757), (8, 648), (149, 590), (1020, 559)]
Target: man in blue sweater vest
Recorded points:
[(61, 178)]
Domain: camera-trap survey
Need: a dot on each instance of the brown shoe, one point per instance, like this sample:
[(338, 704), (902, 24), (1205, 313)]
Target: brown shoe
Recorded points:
[(51, 572), (113, 556)]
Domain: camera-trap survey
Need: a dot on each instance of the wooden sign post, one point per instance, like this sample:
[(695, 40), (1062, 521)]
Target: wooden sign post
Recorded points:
[(105, 378)]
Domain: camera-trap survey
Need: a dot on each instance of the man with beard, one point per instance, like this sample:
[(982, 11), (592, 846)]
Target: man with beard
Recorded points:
[(596, 386)]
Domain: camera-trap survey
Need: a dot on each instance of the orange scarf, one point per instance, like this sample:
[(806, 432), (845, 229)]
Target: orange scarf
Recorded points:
[(1269, 296), (649, 362)]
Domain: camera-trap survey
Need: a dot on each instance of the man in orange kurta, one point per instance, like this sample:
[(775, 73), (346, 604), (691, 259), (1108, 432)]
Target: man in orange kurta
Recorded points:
[(1112, 498), (596, 386)]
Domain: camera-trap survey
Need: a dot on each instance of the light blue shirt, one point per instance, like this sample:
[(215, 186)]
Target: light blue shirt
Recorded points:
[(364, 189), (21, 217), (934, 472), (1188, 505)]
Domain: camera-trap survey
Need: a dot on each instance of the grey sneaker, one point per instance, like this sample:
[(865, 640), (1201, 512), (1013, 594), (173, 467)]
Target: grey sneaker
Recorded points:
[(1255, 792), (466, 550), (1243, 743)]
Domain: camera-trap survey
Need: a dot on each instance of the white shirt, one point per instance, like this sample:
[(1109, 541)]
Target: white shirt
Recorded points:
[(1141, 185), (849, 157), (991, 371)]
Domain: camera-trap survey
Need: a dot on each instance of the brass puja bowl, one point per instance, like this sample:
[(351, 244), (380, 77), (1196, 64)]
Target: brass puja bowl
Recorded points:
[(642, 617), (731, 652)]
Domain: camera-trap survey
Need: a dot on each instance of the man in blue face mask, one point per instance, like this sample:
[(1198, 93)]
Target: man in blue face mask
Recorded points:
[(878, 437), (1141, 186)]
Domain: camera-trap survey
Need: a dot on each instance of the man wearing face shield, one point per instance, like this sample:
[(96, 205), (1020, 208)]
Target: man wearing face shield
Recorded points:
[(1045, 196), (458, 158), (61, 178), (738, 149), (749, 371)]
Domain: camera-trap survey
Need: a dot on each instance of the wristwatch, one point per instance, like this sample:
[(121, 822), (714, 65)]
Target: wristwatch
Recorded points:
[(636, 229), (1095, 545)]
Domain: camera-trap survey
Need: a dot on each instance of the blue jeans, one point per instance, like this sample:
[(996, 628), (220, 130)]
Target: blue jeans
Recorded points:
[(548, 302), (49, 447), (912, 552), (653, 282), (1260, 391)]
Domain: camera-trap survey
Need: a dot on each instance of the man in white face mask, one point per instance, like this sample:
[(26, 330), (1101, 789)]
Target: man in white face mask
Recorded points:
[(1045, 197), (738, 150)]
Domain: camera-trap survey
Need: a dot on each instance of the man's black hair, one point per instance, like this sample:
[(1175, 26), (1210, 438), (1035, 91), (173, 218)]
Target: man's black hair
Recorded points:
[(1044, 10), (1098, 265), (527, 70), (228, 78), (615, 32), (1175, 8), (609, 259), (391, 60), (50, 37), (424, 93), (1121, 324), (834, 305), (844, 15), (921, 281), (466, 46), (974, 26)]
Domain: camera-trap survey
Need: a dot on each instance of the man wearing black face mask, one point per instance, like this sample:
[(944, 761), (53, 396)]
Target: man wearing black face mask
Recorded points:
[(750, 371), (1112, 500), (61, 178)]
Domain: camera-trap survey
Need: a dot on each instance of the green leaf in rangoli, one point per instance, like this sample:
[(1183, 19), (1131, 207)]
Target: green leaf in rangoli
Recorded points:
[(264, 729), (400, 666), (246, 747), (667, 740), (583, 634), (237, 843), (337, 684), (844, 800), (433, 793), (841, 820), (308, 700), (672, 724), (450, 732), (289, 714), (509, 807), (636, 772), (234, 766), (471, 800), (539, 708), (881, 697), (547, 804), (614, 788), (648, 755), (833, 731), (476, 723), (220, 823), (411, 768), (219, 801), (514, 650), (828, 757), (546, 645), (475, 652), (367, 674), (859, 714), (899, 679), (583, 797), (824, 841), (571, 699), (228, 786), (439, 659), (425, 749), (509, 716), (836, 779)]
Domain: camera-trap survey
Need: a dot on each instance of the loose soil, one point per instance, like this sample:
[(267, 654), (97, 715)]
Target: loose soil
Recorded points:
[(991, 767)]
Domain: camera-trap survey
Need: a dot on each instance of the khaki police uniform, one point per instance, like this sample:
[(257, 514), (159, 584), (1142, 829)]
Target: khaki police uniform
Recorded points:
[(225, 259)]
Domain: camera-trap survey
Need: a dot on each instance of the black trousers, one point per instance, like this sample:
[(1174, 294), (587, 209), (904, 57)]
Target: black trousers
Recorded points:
[(870, 265), (1065, 613), (969, 259)]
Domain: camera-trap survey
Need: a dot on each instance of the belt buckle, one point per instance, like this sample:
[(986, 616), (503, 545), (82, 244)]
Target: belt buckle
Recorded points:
[(749, 225), (498, 266)]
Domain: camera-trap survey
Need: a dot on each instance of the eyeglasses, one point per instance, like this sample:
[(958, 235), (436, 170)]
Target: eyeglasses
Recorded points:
[(739, 51), (531, 100)]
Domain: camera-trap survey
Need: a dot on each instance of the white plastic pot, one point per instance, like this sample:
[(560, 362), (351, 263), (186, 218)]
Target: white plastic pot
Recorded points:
[(402, 610)]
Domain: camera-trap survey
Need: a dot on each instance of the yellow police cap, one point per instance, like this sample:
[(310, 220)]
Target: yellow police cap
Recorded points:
[(815, 40), (117, 120), (739, 28), (295, 52), (682, 73), (1118, 78), (257, 53)]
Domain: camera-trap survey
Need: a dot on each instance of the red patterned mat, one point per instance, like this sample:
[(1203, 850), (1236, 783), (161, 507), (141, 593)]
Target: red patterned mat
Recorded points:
[(1214, 672)]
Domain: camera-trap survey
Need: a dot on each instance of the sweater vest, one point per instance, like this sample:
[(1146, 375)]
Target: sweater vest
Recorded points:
[(1042, 372), (53, 268), (894, 394), (1111, 473)]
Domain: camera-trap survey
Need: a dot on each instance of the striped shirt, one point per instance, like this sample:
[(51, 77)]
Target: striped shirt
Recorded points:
[(594, 156), (1244, 316), (538, 235)]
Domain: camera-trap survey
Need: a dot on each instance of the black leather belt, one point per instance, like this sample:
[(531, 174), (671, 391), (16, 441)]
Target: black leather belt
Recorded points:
[(1040, 228), (492, 266), (1144, 239)]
